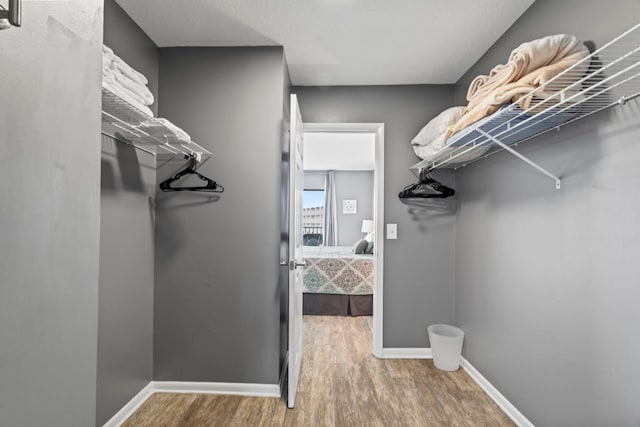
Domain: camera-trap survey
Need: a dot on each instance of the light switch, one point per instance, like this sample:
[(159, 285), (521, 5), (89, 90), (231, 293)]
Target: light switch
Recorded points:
[(392, 231)]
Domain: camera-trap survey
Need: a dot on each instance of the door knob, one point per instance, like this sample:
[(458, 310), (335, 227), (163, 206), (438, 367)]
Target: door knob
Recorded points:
[(295, 264)]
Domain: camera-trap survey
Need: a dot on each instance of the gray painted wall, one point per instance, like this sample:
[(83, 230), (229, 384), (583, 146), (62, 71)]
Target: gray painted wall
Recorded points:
[(419, 266), (50, 214), (353, 185), (314, 180), (217, 296), (125, 315), (546, 280)]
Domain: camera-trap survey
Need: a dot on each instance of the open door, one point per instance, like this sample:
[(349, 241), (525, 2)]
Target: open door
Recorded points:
[(296, 262)]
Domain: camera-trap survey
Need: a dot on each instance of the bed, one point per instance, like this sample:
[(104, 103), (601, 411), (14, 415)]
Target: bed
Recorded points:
[(337, 282)]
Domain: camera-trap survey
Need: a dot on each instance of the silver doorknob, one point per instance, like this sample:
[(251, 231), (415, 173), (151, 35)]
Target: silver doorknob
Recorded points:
[(295, 264)]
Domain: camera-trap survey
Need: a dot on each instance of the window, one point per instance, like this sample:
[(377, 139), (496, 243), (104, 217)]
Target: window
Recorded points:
[(313, 211)]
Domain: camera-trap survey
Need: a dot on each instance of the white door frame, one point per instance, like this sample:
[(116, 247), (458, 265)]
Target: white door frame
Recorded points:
[(378, 215)]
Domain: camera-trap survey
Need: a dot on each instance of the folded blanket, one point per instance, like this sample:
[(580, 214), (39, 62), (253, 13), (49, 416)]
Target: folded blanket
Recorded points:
[(106, 62), (120, 65), (530, 66), (126, 96), (140, 90), (109, 76), (126, 76), (107, 52), (526, 58)]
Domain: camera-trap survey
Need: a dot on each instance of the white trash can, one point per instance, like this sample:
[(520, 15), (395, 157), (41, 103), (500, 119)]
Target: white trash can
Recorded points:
[(446, 346)]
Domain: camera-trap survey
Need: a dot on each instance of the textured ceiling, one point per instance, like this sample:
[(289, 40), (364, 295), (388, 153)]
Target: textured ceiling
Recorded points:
[(340, 42)]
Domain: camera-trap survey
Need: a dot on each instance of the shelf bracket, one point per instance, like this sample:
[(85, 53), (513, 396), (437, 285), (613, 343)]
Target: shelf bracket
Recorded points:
[(521, 157)]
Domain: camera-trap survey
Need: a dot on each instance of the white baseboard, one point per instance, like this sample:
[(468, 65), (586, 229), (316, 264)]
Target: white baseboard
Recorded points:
[(425, 353), (127, 410), (407, 353), (508, 408), (240, 389)]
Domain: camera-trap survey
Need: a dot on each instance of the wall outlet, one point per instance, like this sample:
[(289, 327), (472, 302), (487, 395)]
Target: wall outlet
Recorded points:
[(392, 231)]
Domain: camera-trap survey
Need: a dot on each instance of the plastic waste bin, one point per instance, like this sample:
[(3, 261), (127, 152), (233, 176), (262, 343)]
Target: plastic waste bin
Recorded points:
[(446, 346)]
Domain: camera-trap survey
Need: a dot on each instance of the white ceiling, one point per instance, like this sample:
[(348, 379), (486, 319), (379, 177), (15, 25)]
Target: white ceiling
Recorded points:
[(340, 42), (351, 151)]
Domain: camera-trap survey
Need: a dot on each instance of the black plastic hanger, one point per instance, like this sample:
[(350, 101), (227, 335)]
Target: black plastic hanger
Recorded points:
[(426, 188), (210, 186)]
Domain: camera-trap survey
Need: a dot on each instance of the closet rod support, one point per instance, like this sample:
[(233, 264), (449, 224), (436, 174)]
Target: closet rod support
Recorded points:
[(521, 157)]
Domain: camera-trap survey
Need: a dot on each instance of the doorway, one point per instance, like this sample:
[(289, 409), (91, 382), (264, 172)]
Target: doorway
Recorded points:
[(377, 132)]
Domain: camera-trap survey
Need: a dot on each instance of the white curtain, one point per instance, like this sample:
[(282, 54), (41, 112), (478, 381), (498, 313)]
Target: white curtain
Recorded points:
[(330, 237)]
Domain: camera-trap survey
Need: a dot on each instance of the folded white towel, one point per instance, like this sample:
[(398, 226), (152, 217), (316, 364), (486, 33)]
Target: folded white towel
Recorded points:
[(126, 96), (106, 61), (106, 50), (126, 69), (140, 90)]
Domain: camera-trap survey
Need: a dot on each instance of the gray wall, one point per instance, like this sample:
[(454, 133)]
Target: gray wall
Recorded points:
[(546, 280), (125, 315), (419, 266), (314, 180), (217, 296), (354, 185), (50, 214)]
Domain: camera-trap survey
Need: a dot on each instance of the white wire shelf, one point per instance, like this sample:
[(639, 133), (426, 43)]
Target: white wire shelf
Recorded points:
[(126, 123), (610, 79)]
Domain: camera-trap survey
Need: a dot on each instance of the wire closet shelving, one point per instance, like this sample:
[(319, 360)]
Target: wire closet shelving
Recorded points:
[(126, 123), (610, 79)]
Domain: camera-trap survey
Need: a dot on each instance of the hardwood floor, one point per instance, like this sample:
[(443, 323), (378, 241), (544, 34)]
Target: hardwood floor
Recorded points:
[(341, 384)]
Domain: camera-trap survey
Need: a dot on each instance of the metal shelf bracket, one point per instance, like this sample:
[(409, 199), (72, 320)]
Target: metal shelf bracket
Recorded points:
[(521, 157)]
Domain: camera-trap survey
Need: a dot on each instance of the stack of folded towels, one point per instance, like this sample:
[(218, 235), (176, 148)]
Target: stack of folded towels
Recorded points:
[(129, 84)]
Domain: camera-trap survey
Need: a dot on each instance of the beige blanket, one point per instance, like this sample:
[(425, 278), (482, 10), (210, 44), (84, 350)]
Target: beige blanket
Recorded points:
[(530, 66)]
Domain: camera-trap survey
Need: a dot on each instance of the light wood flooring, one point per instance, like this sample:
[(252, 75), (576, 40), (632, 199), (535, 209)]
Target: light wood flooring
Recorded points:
[(341, 384)]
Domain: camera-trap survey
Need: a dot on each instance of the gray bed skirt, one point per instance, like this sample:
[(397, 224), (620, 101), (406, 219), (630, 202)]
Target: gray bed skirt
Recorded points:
[(337, 304)]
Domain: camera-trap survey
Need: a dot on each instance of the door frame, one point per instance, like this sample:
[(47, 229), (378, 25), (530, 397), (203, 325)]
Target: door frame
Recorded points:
[(378, 215)]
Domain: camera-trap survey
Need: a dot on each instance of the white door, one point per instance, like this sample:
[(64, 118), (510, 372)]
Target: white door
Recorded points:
[(296, 261)]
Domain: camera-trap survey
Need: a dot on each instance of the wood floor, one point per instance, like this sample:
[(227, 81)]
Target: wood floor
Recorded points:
[(341, 384)]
